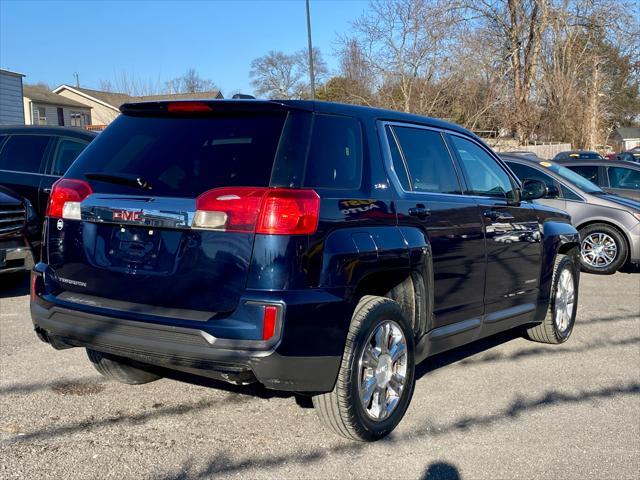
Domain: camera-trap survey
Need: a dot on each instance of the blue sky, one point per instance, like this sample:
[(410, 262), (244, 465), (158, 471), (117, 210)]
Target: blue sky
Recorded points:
[(50, 40)]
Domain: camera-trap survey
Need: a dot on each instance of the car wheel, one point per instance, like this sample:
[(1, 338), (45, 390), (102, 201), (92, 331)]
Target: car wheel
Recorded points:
[(563, 303), (604, 249), (376, 378), (115, 368)]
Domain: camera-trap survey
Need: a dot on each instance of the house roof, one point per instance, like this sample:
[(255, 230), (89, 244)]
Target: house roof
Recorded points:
[(628, 132), (11, 72), (42, 95), (114, 99)]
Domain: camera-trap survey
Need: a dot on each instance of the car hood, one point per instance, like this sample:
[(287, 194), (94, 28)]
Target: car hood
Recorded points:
[(621, 201)]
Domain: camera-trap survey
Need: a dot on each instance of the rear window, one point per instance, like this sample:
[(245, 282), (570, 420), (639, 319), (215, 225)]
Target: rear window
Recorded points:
[(185, 157), (335, 153)]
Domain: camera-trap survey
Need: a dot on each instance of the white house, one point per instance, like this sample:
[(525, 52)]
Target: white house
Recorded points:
[(105, 106), (625, 138), (42, 107), (11, 112)]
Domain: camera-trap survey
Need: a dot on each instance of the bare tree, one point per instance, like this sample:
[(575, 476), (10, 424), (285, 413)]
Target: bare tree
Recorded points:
[(402, 44), (283, 76), (131, 85), (190, 82)]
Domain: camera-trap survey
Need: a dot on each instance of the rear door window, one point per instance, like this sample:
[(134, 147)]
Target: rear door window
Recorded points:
[(66, 152), (620, 177), (427, 160), (590, 172), (23, 153), (185, 157), (335, 153)]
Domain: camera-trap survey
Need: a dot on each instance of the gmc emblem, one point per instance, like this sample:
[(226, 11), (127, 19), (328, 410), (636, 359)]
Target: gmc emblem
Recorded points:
[(127, 215)]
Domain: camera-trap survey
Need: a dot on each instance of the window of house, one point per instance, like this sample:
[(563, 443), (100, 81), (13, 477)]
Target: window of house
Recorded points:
[(60, 117), (40, 115), (77, 119), (428, 162)]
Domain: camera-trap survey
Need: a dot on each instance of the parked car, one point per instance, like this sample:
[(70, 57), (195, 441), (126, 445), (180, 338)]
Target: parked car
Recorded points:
[(621, 178), (18, 231), (524, 153), (577, 155), (629, 156), (609, 225), (318, 248), (32, 158)]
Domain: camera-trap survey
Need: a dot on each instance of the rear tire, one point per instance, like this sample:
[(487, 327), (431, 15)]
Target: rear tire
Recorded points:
[(117, 369), (563, 303), (604, 249), (377, 374)]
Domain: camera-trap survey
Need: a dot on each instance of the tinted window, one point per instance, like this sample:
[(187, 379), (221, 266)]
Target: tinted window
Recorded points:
[(525, 172), (23, 153), (185, 156), (396, 158), (590, 172), (568, 194), (484, 175), (572, 177), (335, 154), (66, 152), (620, 177), (430, 166)]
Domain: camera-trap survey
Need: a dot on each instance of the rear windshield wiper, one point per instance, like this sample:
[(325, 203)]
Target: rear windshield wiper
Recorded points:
[(130, 180)]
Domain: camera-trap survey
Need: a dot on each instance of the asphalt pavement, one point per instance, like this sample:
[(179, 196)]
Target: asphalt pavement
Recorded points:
[(501, 408)]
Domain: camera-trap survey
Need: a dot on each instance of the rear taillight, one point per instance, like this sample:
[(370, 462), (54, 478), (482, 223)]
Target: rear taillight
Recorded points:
[(269, 321), (65, 198), (273, 211)]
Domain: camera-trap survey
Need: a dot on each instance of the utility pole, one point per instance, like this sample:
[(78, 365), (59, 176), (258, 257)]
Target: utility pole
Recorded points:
[(312, 79)]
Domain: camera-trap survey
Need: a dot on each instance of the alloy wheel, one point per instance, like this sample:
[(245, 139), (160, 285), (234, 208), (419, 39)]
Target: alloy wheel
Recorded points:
[(564, 300), (599, 250), (383, 370)]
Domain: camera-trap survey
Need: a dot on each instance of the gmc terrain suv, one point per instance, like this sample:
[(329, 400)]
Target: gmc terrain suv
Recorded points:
[(316, 248)]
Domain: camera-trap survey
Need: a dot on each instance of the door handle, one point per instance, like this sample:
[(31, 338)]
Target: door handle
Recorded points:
[(497, 215), (419, 211)]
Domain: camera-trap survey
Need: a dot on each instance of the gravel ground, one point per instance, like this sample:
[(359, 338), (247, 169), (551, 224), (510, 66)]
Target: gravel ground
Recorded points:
[(500, 408)]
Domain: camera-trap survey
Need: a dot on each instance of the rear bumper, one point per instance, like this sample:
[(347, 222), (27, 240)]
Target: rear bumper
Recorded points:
[(296, 363), (15, 256)]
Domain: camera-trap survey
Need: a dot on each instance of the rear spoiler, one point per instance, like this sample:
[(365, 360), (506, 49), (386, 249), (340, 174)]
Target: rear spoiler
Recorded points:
[(211, 107)]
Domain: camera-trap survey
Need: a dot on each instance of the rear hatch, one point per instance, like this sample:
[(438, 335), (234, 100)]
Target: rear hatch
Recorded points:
[(130, 244)]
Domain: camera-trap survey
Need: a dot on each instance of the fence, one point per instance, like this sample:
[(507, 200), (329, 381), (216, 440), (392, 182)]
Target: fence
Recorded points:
[(546, 151)]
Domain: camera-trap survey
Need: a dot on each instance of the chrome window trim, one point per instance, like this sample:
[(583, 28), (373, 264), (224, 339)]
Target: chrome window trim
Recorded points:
[(30, 173)]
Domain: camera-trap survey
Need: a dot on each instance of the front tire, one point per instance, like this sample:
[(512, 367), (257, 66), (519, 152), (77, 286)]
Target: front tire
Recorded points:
[(604, 249), (563, 303), (377, 374), (115, 368)]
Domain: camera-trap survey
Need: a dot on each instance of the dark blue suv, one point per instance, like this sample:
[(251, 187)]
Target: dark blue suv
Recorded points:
[(313, 247)]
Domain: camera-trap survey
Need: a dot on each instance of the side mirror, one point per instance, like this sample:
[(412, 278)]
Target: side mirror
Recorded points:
[(552, 192), (533, 189)]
